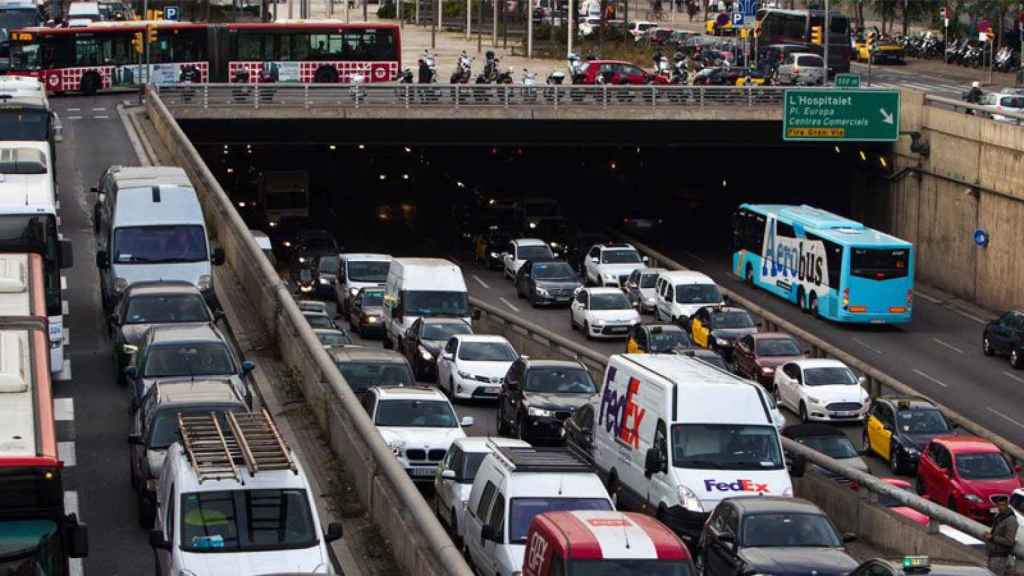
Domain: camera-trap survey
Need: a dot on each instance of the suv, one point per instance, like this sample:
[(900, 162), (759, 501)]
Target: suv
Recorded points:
[(611, 264), (801, 68), (1005, 335), (234, 497), (538, 395), (419, 425), (366, 367), (522, 250), (155, 428), (511, 487)]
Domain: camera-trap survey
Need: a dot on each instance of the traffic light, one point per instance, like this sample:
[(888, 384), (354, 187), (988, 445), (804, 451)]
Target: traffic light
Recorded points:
[(137, 42), (153, 14), (816, 35), (150, 33), (871, 41)]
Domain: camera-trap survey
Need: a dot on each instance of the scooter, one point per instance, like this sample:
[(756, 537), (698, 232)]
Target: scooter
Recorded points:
[(504, 77), (463, 70), (405, 76)]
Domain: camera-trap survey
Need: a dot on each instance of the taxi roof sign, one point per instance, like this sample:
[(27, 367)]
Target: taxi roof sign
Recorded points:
[(916, 564)]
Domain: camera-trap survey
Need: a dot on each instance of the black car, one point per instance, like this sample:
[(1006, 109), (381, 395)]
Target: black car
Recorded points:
[(1005, 335), (720, 326), (828, 440), (538, 395), (772, 535), (424, 340), (546, 282), (898, 428)]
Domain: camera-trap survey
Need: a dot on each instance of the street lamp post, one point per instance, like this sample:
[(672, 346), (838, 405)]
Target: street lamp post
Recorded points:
[(824, 82)]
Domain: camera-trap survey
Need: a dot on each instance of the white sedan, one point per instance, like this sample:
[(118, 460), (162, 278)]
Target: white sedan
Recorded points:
[(521, 250), (603, 313), (474, 365), (821, 389)]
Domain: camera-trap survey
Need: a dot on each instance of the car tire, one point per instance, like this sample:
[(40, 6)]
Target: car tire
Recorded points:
[(894, 459), (986, 346), (801, 299), (613, 489), (812, 305), (804, 417), (1015, 359), (586, 330)]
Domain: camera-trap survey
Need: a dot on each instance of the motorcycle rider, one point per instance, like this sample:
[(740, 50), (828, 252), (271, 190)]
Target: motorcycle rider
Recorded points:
[(973, 96), (490, 67)]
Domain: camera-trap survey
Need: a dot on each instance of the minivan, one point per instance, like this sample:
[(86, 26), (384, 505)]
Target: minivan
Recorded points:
[(422, 287)]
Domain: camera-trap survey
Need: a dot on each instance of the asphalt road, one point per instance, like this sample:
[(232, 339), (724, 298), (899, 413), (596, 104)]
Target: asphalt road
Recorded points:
[(896, 76)]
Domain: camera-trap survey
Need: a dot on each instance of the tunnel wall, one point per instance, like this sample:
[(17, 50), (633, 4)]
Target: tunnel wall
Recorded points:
[(973, 178)]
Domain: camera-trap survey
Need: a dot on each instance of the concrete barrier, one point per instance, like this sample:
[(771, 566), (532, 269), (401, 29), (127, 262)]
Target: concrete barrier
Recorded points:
[(419, 542)]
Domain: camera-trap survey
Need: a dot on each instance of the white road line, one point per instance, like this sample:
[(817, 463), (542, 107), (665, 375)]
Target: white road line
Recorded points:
[(1005, 417), (970, 316), (63, 282), (64, 409), (65, 307), (481, 282), (509, 304), (947, 345), (71, 503), (931, 299), (66, 453), (99, 109), (101, 117), (1013, 376), (65, 374), (933, 379), (75, 567), (67, 337), (74, 109), (74, 117), (868, 346)]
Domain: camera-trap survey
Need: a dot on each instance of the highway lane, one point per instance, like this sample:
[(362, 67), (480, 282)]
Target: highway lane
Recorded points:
[(94, 138), (894, 76)]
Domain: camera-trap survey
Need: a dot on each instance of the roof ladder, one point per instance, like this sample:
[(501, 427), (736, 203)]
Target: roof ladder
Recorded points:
[(211, 454), (260, 442)]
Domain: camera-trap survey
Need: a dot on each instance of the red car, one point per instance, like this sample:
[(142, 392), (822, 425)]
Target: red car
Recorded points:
[(758, 355), (614, 72), (897, 507), (964, 473)]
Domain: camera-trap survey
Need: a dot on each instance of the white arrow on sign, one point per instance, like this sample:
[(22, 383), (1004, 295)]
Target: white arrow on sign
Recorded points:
[(886, 117)]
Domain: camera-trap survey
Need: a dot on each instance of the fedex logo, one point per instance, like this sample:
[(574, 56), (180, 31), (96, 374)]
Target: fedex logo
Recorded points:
[(740, 485), (621, 413)]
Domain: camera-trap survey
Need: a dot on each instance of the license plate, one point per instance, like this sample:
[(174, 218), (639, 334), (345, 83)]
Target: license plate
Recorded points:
[(423, 471), (618, 329), (845, 414), (993, 510)]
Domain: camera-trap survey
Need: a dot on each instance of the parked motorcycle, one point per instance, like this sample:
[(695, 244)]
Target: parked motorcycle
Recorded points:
[(463, 70)]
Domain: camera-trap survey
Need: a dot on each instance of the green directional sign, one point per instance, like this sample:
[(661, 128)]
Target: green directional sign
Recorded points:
[(841, 115), (847, 80)]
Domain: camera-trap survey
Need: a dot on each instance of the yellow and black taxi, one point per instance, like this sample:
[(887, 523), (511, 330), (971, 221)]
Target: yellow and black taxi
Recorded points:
[(915, 565), (657, 339), (898, 428), (886, 50), (717, 327)]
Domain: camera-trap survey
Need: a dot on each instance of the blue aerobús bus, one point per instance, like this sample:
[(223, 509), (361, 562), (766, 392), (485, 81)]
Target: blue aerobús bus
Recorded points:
[(828, 265)]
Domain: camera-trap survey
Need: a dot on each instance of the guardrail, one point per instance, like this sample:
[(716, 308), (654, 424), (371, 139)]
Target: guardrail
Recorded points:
[(419, 542), (314, 96), (557, 344), (981, 111)]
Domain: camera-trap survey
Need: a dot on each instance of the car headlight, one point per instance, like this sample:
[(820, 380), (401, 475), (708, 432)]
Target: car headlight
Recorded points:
[(306, 288), (353, 291), (555, 245), (689, 500), (287, 243), (324, 281), (598, 323), (541, 292), (650, 301), (205, 282), (609, 277), (273, 224), (813, 400), (464, 374), (120, 284), (396, 447), (495, 255), (425, 354), (974, 498), (767, 370), (302, 259), (129, 349), (371, 319), (723, 341), (539, 412)]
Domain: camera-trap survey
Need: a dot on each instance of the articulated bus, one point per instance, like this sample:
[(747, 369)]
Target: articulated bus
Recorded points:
[(828, 265), (794, 27), (37, 535), (102, 55)]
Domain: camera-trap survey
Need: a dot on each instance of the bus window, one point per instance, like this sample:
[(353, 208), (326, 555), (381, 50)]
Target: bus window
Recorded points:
[(325, 46), (878, 263), (300, 46), (86, 52), (250, 47)]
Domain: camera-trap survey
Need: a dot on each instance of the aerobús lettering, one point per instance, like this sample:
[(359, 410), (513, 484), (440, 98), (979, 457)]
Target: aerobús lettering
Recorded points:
[(740, 485), (621, 413), (783, 258)]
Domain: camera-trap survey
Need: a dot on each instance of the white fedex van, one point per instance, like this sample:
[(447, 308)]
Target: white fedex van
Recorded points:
[(422, 287), (674, 435)]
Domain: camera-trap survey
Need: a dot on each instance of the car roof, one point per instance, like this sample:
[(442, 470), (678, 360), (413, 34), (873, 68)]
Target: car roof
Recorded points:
[(966, 444), (665, 327), (913, 401), (358, 354), (162, 287), (482, 444), (531, 363), (603, 290), (442, 320), (755, 504), (811, 429), (772, 336), (409, 393), (727, 309), (801, 54), (197, 391), (530, 242), (819, 363), (144, 176), (157, 203), (648, 271), (185, 333), (615, 245), (481, 338), (188, 481), (357, 256), (690, 276)]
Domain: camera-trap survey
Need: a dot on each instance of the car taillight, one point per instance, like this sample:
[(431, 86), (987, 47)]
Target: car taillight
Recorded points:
[(796, 67), (910, 298), (846, 297)]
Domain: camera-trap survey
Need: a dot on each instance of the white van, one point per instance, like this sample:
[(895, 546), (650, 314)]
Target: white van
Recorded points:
[(680, 293), (357, 271), (675, 435), (422, 287)]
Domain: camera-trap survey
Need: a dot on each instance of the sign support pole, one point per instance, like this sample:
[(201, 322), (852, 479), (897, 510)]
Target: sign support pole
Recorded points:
[(824, 81)]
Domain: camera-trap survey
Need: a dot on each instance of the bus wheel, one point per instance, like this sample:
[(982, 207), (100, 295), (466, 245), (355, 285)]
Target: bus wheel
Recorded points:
[(812, 304), (326, 75), (90, 83), (801, 299), (750, 274)]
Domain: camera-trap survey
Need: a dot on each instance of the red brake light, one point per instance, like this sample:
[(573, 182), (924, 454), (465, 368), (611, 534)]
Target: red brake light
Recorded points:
[(910, 298)]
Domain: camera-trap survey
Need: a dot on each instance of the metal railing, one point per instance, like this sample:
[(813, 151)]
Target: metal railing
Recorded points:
[(318, 96), (979, 110)]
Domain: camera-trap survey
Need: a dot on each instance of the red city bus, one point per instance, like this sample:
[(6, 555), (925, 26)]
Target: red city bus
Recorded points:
[(37, 536), (322, 52), (101, 56)]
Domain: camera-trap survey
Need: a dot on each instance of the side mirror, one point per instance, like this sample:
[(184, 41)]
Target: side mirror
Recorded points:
[(157, 540), (78, 539), (849, 537), (862, 381), (476, 314), (102, 259), (797, 466), (467, 421), (646, 259), (135, 439), (129, 349), (448, 474), (447, 355), (595, 260), (248, 366), (653, 462), (334, 532), (67, 254), (218, 257)]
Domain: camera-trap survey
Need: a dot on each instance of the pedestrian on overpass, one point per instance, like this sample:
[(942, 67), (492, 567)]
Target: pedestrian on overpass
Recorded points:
[(1001, 538)]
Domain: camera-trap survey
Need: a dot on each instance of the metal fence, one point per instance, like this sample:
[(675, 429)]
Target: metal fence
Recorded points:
[(1008, 115), (318, 96)]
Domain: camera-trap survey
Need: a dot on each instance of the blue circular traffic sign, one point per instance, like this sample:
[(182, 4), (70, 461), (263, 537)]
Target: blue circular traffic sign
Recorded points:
[(981, 237)]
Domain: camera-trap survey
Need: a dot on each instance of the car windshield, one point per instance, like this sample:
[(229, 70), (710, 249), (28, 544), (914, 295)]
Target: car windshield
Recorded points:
[(368, 271), (233, 520), (667, 340), (486, 352), (435, 303), (166, 309), (362, 375), (319, 320), (725, 447), (628, 567), (445, 330), (620, 257), (523, 510), (648, 280), (373, 298), (415, 414), (164, 429), (769, 347), (983, 466), (159, 244), (838, 446), (609, 301), (328, 264), (697, 294), (731, 319), (333, 339), (829, 376), (922, 421), (200, 358), (28, 545), (781, 529), (559, 380), (535, 253), (554, 271)]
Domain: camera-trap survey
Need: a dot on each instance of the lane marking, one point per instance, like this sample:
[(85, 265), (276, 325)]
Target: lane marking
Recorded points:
[(67, 336), (66, 453), (969, 316), (64, 408), (65, 307), (481, 282), (931, 299), (1013, 376), (74, 117), (933, 379), (65, 374), (509, 304), (947, 345), (99, 109), (868, 346), (71, 503), (63, 282), (74, 109), (1005, 417), (101, 117)]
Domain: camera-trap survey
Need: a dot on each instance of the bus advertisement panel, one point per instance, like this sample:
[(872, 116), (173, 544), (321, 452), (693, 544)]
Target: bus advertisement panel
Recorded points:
[(828, 265)]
